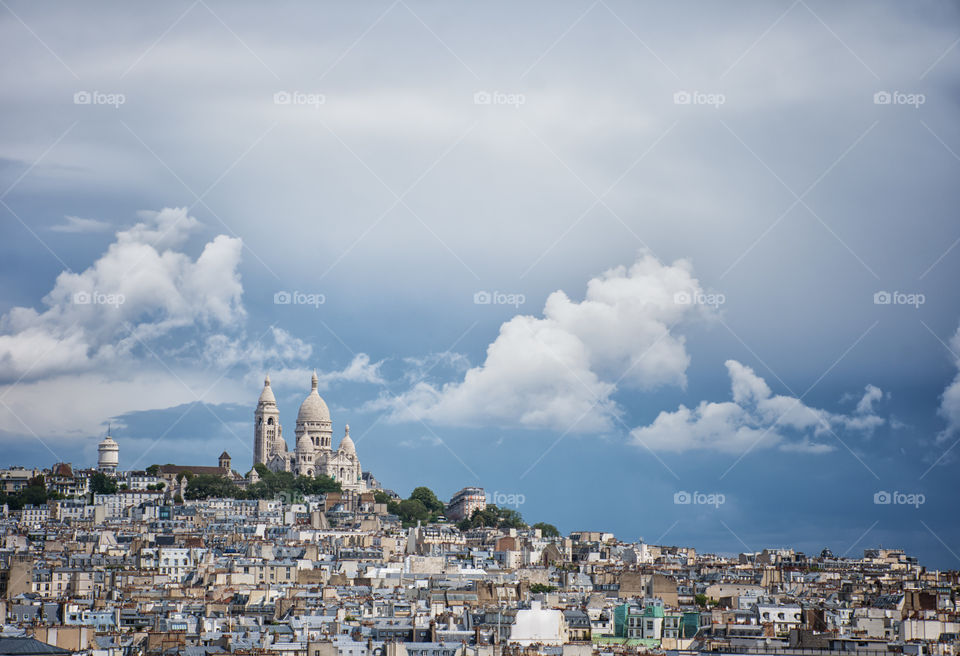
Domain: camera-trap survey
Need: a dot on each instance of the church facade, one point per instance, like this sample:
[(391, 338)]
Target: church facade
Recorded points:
[(314, 453)]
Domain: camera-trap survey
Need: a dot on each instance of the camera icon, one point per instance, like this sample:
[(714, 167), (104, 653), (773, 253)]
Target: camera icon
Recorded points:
[(682, 498), (682, 298), (882, 298), (682, 98), (482, 298), (282, 298), (882, 98), (882, 498), (82, 98), (81, 298), (482, 98), (282, 98)]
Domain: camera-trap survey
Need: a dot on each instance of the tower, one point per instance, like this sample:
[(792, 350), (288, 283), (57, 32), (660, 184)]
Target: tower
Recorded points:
[(108, 455), (225, 463), (313, 421), (267, 431)]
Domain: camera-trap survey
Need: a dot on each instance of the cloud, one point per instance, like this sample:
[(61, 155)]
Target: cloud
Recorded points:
[(132, 332), (559, 371), (77, 224), (755, 418), (138, 291), (950, 400)]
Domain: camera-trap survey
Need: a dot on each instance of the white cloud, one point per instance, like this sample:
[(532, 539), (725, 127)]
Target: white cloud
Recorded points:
[(756, 418), (950, 400), (560, 371), (78, 224), (127, 333), (141, 289)]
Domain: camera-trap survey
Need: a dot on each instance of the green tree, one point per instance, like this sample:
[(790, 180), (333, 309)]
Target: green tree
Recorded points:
[(547, 530), (429, 500), (205, 486), (153, 470), (411, 511), (323, 484), (541, 587), (492, 517), (34, 494), (100, 483), (381, 497), (700, 600)]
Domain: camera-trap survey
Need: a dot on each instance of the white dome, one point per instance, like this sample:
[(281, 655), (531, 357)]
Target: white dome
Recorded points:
[(346, 444), (313, 408), (266, 396)]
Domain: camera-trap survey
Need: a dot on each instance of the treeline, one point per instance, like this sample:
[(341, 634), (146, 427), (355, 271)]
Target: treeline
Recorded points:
[(34, 494), (423, 505), (270, 486)]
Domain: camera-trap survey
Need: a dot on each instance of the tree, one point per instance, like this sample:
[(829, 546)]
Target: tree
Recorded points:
[(100, 483), (323, 484), (153, 470), (206, 486), (381, 497), (700, 600), (429, 500), (541, 587), (492, 517), (412, 510), (547, 530)]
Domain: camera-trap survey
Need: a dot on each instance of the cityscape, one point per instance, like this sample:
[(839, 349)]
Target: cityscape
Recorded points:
[(418, 328)]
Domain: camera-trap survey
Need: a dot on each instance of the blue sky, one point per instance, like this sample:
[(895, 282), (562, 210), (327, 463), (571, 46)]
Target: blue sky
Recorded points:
[(595, 257)]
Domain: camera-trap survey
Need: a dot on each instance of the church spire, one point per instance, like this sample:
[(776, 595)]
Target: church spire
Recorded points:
[(314, 381)]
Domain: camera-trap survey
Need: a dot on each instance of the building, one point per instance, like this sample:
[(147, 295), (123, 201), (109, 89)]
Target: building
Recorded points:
[(463, 504), (314, 454), (108, 455)]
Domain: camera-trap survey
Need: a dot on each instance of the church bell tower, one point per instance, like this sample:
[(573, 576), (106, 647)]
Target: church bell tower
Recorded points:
[(267, 432)]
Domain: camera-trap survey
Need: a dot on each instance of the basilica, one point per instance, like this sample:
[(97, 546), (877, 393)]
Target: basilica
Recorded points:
[(314, 454)]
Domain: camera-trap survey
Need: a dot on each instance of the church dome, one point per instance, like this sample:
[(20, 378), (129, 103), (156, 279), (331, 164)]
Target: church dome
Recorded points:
[(313, 408), (347, 445), (266, 396), (304, 444)]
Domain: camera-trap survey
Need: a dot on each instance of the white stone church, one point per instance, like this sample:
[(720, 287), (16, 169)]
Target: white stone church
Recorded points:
[(314, 453)]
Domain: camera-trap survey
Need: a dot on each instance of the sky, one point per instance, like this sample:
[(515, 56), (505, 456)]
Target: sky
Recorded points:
[(684, 272)]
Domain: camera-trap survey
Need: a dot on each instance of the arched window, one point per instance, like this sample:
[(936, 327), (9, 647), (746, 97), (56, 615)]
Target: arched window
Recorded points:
[(269, 421)]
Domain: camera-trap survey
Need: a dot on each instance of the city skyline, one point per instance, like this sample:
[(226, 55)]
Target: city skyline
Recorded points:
[(685, 276)]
